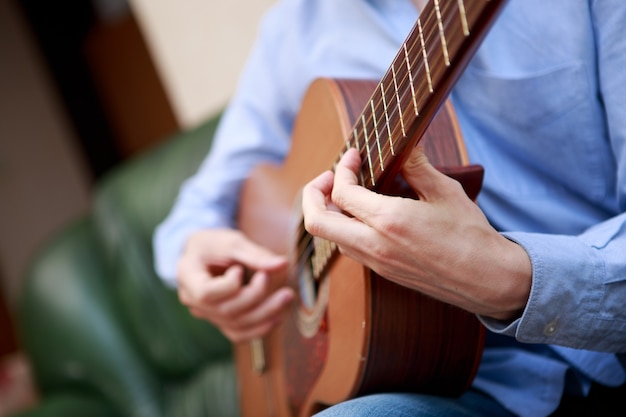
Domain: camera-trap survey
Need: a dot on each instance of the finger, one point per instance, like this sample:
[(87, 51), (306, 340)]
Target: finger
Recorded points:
[(270, 310), (196, 286), (256, 257), (258, 321), (357, 201), (322, 220), (315, 197), (248, 297), (423, 178), (219, 249), (348, 167), (218, 289)]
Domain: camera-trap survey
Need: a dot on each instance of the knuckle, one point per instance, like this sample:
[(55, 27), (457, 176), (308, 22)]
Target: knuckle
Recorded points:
[(380, 252), (389, 222), (455, 187)]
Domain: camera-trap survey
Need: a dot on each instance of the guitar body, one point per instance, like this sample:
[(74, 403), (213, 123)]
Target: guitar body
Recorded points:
[(351, 332)]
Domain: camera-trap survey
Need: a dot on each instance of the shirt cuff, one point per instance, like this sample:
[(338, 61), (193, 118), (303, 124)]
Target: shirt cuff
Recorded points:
[(566, 291)]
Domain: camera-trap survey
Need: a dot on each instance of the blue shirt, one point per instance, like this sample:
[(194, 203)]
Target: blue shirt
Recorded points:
[(542, 107)]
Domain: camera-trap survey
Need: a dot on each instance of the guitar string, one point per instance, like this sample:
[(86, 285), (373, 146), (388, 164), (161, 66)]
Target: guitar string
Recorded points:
[(437, 64), (407, 96), (431, 40), (377, 115), (389, 75)]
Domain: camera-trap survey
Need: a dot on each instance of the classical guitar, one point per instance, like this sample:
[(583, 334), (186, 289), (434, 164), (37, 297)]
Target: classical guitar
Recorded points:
[(352, 332)]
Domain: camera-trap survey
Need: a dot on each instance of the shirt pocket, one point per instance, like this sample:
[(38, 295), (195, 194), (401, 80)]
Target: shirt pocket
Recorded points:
[(547, 120), (528, 100)]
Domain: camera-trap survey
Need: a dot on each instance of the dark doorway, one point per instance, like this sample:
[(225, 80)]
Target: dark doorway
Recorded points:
[(60, 29)]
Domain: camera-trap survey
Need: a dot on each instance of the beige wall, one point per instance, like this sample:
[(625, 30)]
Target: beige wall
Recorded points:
[(42, 177), (199, 48)]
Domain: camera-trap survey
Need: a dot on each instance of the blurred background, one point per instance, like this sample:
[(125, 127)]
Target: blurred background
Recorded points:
[(84, 86)]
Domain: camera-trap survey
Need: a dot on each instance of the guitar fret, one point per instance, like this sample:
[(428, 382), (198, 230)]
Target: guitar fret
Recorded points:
[(395, 84), (442, 36), (380, 154), (408, 66), (464, 23), (349, 145), (425, 56), (382, 93), (367, 148)]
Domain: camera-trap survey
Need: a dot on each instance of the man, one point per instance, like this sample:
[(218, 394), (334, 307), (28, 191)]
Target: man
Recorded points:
[(541, 259)]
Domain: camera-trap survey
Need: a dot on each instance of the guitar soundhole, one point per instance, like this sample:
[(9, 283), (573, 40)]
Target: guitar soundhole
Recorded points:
[(307, 285), (313, 291)]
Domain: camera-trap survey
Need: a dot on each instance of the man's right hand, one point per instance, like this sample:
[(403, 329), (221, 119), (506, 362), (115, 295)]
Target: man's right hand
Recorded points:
[(212, 285)]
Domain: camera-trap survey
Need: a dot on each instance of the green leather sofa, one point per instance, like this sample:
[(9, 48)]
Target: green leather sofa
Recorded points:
[(104, 335)]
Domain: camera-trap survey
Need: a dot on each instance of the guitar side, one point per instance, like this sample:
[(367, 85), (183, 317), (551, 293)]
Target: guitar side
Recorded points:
[(365, 336)]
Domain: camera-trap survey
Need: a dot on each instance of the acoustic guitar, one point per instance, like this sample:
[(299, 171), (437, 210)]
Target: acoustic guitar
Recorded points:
[(351, 332)]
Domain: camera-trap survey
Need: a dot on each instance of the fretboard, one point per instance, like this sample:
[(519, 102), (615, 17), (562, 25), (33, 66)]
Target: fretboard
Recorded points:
[(420, 78)]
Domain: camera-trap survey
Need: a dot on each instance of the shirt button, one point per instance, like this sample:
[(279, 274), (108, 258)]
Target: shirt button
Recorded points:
[(550, 328)]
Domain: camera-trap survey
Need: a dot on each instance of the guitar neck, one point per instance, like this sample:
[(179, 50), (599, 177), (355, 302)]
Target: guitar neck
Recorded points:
[(420, 78)]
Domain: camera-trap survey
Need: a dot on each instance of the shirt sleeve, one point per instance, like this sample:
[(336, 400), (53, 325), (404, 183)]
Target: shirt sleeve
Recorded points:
[(254, 128), (579, 282)]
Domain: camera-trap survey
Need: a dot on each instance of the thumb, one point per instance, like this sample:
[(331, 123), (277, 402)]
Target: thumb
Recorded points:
[(422, 177)]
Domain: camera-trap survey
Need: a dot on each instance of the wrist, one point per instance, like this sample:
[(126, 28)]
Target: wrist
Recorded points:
[(514, 283)]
